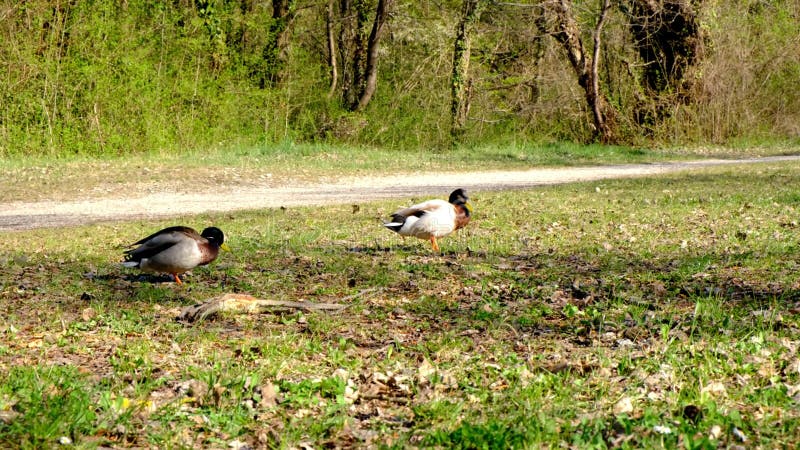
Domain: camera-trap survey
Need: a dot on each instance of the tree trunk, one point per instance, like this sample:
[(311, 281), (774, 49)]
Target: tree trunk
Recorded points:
[(371, 69), (566, 31), (347, 38), (596, 96), (359, 61), (459, 81), (332, 61), (359, 42), (670, 40), (668, 37), (277, 41), (353, 44)]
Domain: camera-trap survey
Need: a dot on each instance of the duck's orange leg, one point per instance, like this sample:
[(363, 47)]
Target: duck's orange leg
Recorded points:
[(177, 278), (434, 243)]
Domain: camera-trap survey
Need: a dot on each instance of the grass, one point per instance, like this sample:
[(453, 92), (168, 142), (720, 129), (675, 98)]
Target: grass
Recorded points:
[(52, 178), (638, 313)]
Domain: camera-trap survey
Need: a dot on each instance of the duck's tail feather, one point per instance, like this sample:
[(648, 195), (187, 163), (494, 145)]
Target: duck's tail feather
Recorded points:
[(394, 226)]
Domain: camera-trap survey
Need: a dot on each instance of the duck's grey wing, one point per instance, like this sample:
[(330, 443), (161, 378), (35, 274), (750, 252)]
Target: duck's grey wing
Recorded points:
[(158, 242)]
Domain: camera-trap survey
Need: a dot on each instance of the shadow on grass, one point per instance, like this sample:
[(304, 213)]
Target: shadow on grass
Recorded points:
[(581, 296), (135, 278)]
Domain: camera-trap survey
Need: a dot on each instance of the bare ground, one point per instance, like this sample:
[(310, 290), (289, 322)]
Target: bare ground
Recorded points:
[(21, 215)]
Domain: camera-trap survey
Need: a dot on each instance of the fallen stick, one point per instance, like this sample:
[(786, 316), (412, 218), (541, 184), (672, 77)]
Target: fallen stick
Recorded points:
[(243, 303)]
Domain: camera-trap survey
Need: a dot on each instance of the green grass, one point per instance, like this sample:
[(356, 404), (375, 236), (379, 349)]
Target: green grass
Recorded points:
[(635, 313), (30, 178)]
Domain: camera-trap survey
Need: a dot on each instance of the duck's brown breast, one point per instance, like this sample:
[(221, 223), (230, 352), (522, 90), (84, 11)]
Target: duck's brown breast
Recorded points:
[(208, 253), (462, 217)]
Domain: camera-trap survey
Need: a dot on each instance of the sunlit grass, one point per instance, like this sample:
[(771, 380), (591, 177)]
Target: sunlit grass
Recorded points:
[(36, 177), (634, 313)]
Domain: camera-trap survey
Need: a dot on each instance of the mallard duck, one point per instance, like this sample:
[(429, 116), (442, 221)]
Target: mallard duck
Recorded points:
[(433, 218), (175, 250)]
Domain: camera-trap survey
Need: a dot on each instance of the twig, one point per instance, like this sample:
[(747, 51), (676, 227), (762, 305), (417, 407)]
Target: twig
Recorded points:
[(391, 399), (360, 293)]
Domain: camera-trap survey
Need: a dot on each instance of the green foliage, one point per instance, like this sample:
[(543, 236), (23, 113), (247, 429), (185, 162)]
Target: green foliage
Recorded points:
[(95, 78), (109, 80)]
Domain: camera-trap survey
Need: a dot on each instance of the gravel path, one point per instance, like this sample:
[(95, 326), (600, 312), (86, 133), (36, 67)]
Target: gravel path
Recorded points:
[(30, 215)]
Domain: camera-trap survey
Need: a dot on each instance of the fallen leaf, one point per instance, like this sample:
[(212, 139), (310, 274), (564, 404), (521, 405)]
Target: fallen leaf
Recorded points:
[(655, 396), (238, 445), (6, 417), (714, 389), (623, 406), (350, 392), (424, 372), (269, 396), (88, 314), (302, 412), (794, 366)]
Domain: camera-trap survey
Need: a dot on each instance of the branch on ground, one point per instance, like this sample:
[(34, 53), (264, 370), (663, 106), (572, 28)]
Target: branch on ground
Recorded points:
[(243, 303)]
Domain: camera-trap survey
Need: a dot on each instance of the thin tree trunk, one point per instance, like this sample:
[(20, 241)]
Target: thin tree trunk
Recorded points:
[(361, 10), (567, 32), (332, 49), (459, 80), (277, 40), (599, 118), (371, 70), (347, 39)]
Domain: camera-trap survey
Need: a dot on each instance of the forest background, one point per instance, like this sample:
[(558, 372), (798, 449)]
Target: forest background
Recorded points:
[(136, 76)]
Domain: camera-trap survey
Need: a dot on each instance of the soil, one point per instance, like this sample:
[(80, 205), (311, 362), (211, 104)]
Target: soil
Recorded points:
[(21, 215)]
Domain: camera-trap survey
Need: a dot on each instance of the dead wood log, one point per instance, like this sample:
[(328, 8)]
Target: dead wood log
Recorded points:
[(243, 303)]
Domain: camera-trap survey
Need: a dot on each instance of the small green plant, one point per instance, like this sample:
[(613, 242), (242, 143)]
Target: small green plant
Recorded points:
[(49, 403), (493, 434)]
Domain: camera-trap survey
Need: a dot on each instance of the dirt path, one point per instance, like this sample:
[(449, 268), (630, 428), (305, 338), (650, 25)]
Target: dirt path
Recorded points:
[(29, 215)]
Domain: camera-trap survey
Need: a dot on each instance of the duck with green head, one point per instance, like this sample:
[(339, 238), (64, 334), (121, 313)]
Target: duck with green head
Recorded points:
[(433, 219), (175, 250)]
